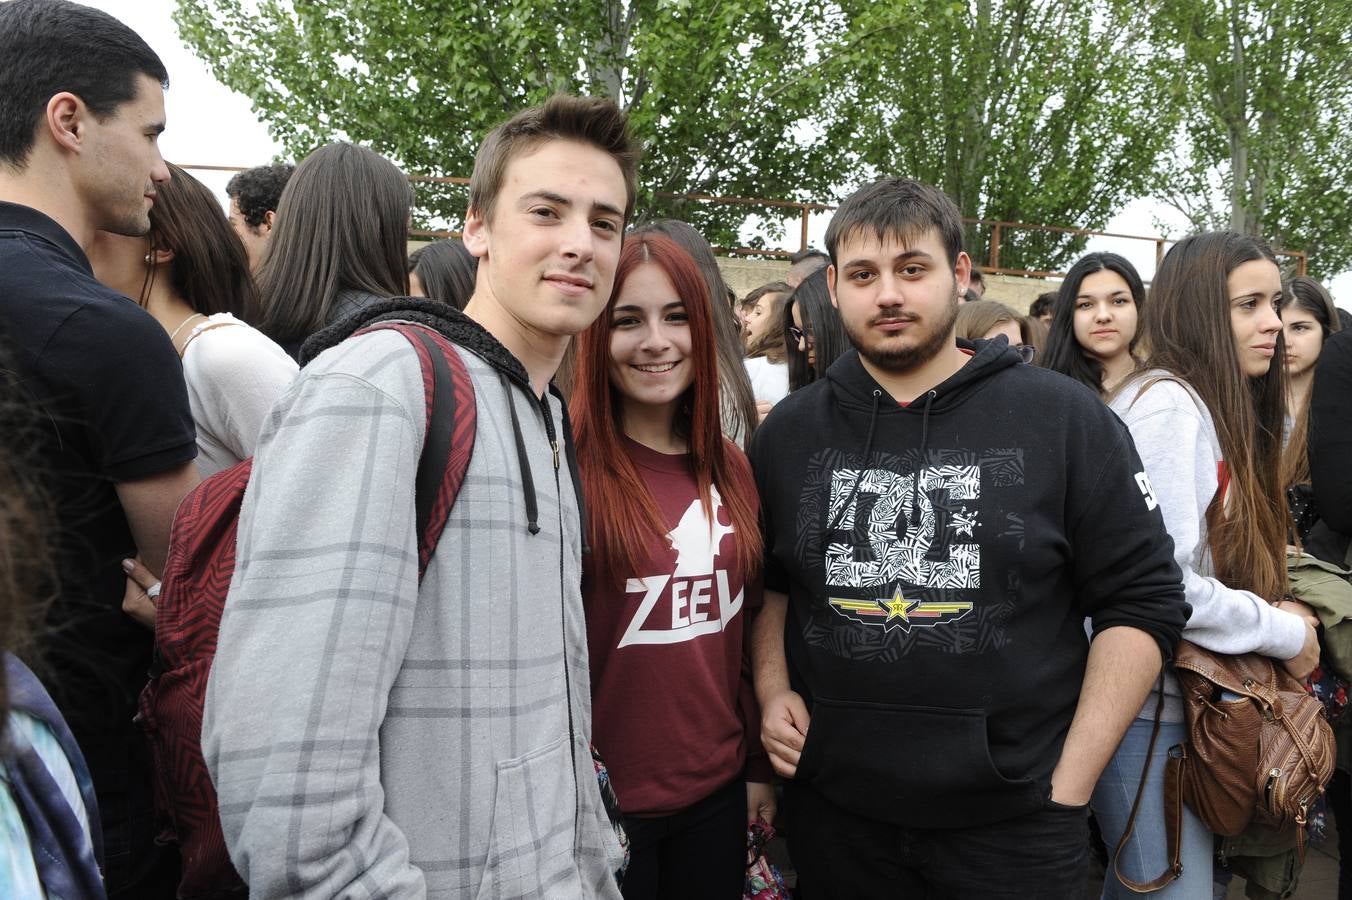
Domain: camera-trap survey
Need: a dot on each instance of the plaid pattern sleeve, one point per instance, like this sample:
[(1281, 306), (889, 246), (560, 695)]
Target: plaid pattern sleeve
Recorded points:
[(317, 623)]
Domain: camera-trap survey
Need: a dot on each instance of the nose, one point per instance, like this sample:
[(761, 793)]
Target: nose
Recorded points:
[(1269, 322), (576, 240), (1102, 312), (655, 338), (889, 290), (160, 173)]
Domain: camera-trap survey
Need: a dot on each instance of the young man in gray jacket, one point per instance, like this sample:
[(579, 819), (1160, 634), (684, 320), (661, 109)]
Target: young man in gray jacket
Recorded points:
[(372, 736)]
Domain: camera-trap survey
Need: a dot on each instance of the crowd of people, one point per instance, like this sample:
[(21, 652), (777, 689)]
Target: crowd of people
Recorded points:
[(560, 570)]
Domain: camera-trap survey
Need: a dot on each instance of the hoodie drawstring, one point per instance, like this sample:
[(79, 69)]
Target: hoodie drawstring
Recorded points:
[(527, 479), (920, 464), (868, 451), (570, 456)]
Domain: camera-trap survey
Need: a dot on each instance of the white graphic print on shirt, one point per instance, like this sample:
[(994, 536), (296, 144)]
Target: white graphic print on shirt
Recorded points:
[(695, 599)]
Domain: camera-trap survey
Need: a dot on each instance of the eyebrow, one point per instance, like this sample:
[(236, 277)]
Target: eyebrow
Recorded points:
[(1119, 292), (630, 307), (560, 200), (900, 257)]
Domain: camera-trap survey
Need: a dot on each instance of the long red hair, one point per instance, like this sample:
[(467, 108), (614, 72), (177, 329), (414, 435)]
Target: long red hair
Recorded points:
[(624, 518)]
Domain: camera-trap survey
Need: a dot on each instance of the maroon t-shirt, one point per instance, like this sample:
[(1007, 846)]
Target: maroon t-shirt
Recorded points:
[(673, 711)]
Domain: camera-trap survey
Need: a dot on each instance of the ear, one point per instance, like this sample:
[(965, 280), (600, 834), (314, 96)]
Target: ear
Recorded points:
[(66, 120), (475, 234), (962, 272), (831, 283), (160, 256), (266, 225)]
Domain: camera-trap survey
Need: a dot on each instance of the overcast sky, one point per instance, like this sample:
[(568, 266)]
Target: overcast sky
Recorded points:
[(208, 124)]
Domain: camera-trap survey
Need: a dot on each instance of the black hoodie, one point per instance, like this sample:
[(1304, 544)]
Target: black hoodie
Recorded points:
[(936, 630)]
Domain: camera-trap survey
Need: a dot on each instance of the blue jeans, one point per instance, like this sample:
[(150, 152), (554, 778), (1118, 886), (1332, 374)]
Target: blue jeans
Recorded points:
[(1146, 855)]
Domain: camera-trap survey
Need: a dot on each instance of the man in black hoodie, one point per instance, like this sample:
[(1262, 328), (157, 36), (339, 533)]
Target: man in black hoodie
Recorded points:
[(940, 521)]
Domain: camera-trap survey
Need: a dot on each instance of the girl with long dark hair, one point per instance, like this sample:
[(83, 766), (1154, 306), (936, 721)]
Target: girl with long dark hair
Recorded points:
[(340, 242), (192, 275), (672, 572), (1095, 330), (1206, 418), (815, 336)]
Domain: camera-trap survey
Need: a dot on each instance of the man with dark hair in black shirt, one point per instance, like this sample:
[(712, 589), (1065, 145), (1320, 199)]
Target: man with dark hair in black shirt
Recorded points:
[(84, 106), (254, 195)]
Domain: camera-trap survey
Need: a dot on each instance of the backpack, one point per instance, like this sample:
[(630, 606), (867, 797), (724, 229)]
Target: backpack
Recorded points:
[(195, 581), (1258, 751)]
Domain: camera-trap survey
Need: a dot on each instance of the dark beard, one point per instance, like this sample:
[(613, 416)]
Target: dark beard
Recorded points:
[(906, 358)]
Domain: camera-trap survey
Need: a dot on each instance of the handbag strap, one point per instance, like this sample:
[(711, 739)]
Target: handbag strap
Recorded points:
[(1173, 811)]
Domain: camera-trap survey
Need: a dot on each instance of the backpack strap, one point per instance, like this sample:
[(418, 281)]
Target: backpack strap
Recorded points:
[(449, 438)]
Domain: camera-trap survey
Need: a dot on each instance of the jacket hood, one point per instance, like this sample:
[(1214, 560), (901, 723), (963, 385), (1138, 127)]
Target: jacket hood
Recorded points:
[(856, 390), (854, 386), (450, 322)]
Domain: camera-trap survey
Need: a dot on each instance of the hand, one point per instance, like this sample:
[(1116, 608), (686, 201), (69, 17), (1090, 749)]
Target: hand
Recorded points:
[(763, 408), (760, 802), (1303, 663), (135, 601), (784, 722), (1298, 608), (1068, 795)]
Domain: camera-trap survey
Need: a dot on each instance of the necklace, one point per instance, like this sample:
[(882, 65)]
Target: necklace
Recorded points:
[(175, 332)]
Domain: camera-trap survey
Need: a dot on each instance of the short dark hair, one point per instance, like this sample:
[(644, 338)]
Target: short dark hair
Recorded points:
[(52, 46), (257, 191), (1043, 304), (447, 271), (588, 120), (977, 277), (804, 255), (898, 208)]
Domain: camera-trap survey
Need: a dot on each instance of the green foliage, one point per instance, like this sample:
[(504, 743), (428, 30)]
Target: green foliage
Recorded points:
[(1268, 148), (1039, 111), (719, 91)]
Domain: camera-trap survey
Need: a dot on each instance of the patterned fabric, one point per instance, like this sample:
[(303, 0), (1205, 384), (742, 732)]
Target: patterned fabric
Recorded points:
[(612, 806), (763, 881), (370, 736), (49, 834)]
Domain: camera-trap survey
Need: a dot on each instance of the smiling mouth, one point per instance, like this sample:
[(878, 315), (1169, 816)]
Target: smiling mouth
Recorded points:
[(655, 368)]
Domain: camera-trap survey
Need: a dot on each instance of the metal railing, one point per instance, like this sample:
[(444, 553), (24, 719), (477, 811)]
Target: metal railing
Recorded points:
[(805, 209)]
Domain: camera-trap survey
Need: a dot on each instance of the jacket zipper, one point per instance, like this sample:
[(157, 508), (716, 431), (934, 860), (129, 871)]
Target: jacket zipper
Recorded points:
[(563, 618)]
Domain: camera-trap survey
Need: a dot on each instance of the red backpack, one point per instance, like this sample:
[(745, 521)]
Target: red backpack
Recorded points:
[(196, 578)]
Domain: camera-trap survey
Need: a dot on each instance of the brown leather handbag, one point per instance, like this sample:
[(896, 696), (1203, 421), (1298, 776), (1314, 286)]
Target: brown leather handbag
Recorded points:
[(1258, 750)]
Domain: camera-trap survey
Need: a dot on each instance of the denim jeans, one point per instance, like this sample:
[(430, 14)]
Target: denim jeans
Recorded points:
[(1145, 856), (839, 854)]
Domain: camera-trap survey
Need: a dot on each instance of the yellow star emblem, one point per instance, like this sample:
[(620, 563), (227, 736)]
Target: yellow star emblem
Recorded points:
[(898, 607)]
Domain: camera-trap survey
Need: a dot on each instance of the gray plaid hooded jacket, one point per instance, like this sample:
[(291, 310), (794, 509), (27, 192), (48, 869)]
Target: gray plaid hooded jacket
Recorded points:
[(370, 737)]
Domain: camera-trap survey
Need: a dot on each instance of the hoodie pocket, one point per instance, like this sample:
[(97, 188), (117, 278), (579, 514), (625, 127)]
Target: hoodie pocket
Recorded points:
[(530, 844), (914, 766)]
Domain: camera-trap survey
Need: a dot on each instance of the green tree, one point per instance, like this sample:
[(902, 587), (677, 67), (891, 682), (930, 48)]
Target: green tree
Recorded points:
[(723, 92), (1039, 111), (1265, 147)]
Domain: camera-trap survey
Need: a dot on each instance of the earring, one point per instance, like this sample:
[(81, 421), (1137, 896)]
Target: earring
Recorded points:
[(148, 255)]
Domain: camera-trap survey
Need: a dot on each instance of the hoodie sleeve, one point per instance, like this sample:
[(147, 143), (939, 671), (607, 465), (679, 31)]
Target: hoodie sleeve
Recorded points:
[(1330, 441), (1123, 559), (315, 628), (1175, 443), (773, 576)]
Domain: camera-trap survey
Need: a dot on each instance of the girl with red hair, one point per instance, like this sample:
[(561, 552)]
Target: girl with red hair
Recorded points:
[(671, 576)]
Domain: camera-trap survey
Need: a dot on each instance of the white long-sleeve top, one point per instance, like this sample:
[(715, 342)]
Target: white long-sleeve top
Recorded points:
[(1176, 439), (234, 375)]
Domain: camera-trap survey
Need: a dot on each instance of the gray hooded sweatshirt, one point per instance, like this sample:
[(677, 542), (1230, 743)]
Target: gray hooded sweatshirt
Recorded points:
[(370, 736)]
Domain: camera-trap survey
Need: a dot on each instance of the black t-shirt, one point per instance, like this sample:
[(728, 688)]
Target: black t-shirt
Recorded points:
[(109, 388)]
